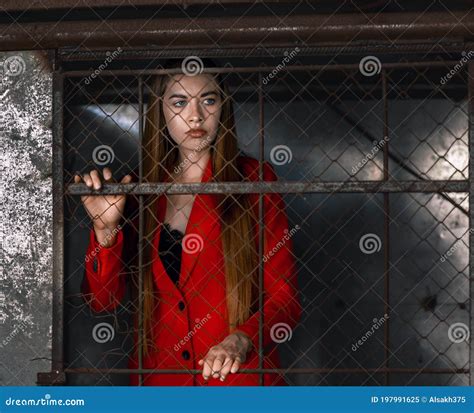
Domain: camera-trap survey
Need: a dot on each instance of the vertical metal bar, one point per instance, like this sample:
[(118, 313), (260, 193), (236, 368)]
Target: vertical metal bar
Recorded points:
[(261, 290), (57, 375), (471, 212), (58, 221), (386, 206), (140, 231)]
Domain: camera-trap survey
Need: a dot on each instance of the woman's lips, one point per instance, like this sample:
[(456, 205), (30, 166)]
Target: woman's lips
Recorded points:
[(196, 133)]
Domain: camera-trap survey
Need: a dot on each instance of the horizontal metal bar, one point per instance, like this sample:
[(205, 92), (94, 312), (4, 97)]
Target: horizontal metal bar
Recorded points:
[(271, 186), (264, 69), (53, 378), (355, 48), (266, 31), (15, 5), (93, 370)]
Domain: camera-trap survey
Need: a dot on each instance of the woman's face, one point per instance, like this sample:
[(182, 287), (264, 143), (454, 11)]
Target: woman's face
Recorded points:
[(192, 110)]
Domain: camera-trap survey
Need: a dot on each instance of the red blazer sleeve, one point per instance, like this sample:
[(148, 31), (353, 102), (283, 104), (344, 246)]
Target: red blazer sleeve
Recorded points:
[(281, 306), (104, 282)]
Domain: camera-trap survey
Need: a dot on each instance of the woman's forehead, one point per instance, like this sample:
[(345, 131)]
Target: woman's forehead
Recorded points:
[(191, 85)]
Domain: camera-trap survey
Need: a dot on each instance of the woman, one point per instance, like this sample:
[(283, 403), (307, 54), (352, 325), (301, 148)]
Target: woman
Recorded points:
[(200, 251)]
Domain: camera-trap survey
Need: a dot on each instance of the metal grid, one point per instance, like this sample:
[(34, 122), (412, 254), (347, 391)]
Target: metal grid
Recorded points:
[(389, 176)]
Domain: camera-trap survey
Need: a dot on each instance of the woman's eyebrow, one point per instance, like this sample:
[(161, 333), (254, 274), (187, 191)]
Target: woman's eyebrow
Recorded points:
[(176, 95)]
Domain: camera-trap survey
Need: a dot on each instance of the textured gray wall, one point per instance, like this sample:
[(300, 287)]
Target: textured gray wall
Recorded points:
[(26, 216)]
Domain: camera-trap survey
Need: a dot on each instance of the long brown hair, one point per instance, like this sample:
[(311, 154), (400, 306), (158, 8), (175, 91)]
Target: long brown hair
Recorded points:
[(160, 156)]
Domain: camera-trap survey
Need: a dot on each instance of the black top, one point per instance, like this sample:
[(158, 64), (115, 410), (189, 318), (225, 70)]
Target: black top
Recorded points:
[(169, 250)]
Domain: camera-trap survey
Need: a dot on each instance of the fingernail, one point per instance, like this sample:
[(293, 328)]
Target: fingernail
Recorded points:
[(222, 378)]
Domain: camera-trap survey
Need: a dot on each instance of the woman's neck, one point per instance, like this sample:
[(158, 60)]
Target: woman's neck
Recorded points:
[(192, 166)]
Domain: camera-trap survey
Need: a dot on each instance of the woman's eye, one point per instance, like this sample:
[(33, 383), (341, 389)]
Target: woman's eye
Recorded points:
[(210, 101), (179, 103)]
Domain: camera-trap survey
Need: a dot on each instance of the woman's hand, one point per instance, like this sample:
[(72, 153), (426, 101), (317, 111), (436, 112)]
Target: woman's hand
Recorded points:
[(105, 210), (226, 356)]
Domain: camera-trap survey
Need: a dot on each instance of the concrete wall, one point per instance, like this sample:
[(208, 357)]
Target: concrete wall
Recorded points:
[(26, 216)]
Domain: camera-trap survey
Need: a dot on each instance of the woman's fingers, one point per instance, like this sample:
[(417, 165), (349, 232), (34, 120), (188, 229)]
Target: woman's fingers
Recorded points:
[(107, 174), (87, 180), (217, 365), (94, 174), (126, 179), (235, 365), (93, 178), (226, 368), (208, 363)]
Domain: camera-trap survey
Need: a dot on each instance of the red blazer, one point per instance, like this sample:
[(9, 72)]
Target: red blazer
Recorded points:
[(193, 317)]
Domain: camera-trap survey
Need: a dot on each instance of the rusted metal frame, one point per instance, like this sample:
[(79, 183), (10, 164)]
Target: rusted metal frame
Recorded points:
[(140, 231), (14, 5), (324, 49), (308, 370), (261, 223), (260, 69), (273, 186), (236, 31), (367, 186), (386, 207), (471, 215), (57, 376)]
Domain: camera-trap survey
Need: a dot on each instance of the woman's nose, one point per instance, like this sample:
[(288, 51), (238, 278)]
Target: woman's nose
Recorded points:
[(196, 114)]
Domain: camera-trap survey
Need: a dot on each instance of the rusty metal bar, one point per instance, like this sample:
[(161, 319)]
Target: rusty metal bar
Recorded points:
[(92, 370), (260, 69), (273, 186), (386, 247), (356, 48), (232, 31), (140, 231), (56, 376), (471, 213), (13, 5), (261, 234)]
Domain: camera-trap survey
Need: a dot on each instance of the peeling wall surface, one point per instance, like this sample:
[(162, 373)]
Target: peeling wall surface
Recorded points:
[(26, 217)]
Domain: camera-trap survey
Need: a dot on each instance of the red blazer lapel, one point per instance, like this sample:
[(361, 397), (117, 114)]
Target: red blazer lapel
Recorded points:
[(199, 231)]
